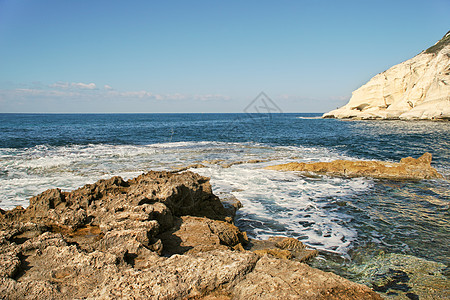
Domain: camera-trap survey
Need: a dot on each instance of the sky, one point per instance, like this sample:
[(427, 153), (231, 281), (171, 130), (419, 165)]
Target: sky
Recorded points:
[(203, 56)]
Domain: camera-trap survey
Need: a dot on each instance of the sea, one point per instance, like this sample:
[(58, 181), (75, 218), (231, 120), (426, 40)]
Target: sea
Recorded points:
[(391, 235)]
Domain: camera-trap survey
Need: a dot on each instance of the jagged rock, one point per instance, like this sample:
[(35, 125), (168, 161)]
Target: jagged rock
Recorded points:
[(288, 243), (282, 247), (194, 234), (115, 203), (230, 203), (407, 169), (105, 240), (184, 194), (418, 88)]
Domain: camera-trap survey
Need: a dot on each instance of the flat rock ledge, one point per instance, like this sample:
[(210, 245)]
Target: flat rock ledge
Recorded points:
[(407, 169), (161, 235)]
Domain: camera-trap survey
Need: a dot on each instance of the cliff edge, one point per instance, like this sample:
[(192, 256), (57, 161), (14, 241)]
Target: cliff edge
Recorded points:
[(417, 89)]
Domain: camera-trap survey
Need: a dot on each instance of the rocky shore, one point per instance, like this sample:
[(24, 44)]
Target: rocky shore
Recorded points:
[(161, 235), (407, 169)]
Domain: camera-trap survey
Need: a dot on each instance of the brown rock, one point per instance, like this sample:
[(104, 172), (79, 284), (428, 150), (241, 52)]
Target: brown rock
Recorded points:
[(282, 247), (284, 279), (104, 241), (278, 253), (192, 166), (287, 243), (194, 234), (407, 169), (179, 277)]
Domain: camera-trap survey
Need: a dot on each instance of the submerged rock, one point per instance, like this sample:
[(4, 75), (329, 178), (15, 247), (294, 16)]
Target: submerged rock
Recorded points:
[(407, 169), (402, 276), (161, 235), (418, 88)]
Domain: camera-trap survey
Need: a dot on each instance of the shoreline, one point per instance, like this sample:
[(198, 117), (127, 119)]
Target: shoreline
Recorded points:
[(132, 229), (196, 242), (388, 119)]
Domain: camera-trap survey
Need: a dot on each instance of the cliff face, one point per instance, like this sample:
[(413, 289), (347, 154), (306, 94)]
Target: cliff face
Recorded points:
[(418, 88)]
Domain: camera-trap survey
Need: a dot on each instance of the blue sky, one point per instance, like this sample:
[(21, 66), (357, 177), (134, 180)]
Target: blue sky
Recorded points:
[(203, 56)]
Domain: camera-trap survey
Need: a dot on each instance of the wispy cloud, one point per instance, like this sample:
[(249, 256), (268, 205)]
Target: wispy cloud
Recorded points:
[(80, 90), (74, 85), (300, 98), (84, 86)]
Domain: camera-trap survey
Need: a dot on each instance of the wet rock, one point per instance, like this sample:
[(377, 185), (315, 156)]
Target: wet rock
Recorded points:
[(230, 203), (192, 166), (407, 169)]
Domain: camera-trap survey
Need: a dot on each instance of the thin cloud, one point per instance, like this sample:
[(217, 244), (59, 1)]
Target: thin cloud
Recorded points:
[(78, 91), (84, 86), (75, 85), (300, 98), (60, 85)]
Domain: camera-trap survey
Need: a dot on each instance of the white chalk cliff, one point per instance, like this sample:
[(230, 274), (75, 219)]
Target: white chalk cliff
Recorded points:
[(418, 88)]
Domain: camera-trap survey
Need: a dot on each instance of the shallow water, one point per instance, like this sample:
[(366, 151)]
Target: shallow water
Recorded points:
[(354, 222)]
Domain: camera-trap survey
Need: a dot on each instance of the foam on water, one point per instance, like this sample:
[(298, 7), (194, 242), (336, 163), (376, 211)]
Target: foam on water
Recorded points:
[(25, 172), (275, 203), (352, 218), (310, 118), (287, 203), (314, 209)]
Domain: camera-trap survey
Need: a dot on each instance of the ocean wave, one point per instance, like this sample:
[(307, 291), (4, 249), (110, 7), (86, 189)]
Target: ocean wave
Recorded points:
[(71, 165)]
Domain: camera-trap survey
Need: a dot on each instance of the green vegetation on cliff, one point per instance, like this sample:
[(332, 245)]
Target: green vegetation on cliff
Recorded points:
[(439, 45)]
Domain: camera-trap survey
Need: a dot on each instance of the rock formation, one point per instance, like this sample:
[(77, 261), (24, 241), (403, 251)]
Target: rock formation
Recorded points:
[(418, 88), (407, 169), (161, 235)]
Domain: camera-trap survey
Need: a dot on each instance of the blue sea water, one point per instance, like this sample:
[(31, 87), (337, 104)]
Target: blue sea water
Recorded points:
[(349, 220)]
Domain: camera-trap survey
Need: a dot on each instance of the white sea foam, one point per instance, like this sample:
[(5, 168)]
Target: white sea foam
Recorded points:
[(286, 203), (275, 203), (309, 118)]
